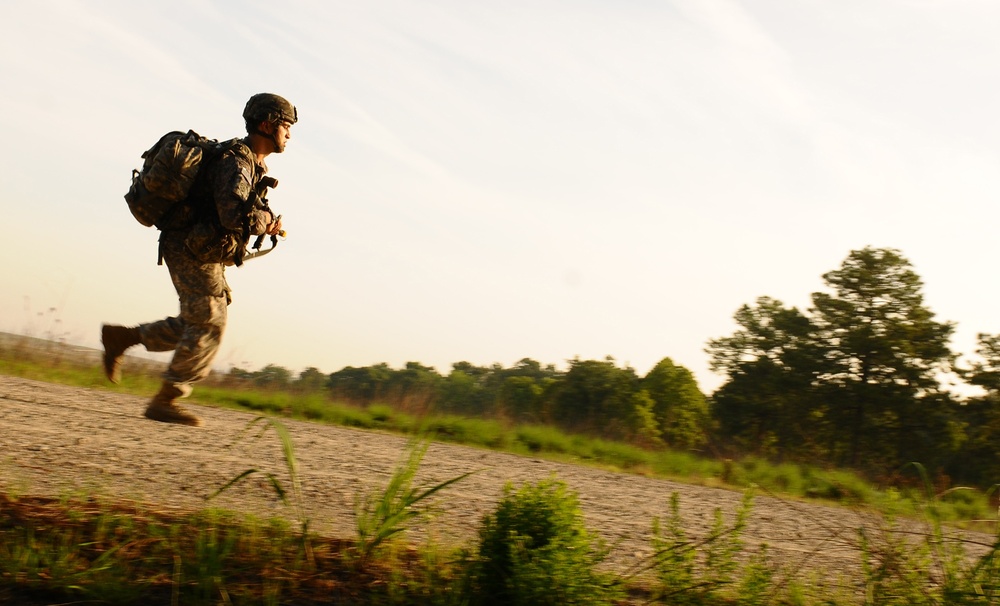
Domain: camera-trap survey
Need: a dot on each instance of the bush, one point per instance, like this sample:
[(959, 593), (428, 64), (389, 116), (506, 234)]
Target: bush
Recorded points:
[(535, 549), (466, 430), (543, 438)]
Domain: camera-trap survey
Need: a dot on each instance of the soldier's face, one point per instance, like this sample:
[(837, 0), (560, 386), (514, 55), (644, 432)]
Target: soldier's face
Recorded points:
[(282, 133)]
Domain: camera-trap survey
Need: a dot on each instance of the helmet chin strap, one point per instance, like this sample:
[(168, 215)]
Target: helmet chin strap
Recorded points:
[(273, 136)]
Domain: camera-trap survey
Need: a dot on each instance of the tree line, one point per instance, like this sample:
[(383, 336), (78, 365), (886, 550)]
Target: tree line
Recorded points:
[(597, 397), (855, 380)]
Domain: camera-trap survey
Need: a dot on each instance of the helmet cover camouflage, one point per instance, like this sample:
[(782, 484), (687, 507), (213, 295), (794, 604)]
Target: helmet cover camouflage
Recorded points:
[(270, 108)]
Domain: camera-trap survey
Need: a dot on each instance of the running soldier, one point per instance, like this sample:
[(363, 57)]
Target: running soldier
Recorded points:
[(224, 210)]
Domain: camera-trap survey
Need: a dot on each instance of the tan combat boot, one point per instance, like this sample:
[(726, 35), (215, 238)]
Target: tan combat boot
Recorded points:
[(116, 340), (163, 408)]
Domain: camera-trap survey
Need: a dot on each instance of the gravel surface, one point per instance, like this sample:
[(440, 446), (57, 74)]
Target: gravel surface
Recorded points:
[(55, 440)]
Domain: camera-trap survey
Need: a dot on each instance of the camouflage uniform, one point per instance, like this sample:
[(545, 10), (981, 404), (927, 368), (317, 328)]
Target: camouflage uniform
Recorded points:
[(196, 257), (224, 210)]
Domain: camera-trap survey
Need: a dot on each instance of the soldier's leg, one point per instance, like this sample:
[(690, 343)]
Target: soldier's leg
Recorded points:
[(163, 335), (204, 320), (194, 335)]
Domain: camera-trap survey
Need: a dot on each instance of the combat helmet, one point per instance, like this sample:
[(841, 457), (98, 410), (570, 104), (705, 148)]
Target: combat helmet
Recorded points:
[(269, 107)]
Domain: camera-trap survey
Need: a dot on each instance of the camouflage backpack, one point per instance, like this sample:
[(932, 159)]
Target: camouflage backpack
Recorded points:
[(169, 169)]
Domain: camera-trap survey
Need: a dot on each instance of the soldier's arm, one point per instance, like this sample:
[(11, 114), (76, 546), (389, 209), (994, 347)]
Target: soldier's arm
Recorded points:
[(234, 194)]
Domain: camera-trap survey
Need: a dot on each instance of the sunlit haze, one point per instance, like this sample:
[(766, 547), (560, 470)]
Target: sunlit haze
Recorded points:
[(490, 181)]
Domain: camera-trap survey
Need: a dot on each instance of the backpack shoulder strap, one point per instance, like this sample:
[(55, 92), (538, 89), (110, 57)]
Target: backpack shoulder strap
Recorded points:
[(237, 146)]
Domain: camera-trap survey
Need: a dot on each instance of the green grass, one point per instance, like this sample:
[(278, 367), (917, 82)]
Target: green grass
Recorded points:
[(116, 553), (382, 515), (533, 547)]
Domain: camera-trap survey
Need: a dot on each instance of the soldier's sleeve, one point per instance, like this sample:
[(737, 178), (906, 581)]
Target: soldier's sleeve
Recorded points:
[(235, 198)]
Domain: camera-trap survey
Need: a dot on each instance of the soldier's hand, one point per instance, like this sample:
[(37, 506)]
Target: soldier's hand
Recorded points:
[(274, 228)]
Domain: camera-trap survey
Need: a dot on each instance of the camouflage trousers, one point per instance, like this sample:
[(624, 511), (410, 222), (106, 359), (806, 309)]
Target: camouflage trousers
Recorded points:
[(194, 335)]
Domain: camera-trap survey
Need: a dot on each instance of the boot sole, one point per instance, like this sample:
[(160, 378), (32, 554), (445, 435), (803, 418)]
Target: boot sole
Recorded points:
[(171, 417)]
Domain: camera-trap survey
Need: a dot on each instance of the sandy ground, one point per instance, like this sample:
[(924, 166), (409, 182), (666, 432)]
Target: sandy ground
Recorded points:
[(56, 439)]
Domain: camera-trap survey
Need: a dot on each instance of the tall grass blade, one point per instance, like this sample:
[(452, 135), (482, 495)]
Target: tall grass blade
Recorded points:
[(383, 515)]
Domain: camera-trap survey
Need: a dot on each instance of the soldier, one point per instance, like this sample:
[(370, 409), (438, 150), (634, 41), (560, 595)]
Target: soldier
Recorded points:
[(223, 211)]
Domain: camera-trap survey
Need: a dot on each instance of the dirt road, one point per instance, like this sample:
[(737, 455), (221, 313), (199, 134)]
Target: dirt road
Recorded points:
[(55, 439)]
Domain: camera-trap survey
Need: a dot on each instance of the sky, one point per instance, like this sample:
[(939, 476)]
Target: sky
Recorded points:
[(490, 181)]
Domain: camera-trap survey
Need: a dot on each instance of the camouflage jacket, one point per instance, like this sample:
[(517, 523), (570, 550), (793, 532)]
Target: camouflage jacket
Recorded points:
[(225, 210)]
